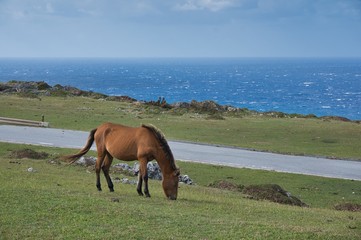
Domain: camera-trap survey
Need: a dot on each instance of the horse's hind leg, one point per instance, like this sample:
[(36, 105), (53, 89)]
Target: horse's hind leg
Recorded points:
[(98, 166), (106, 166), (143, 171)]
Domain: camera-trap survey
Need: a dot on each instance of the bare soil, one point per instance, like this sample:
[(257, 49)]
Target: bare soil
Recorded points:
[(28, 153), (226, 186), (273, 193), (270, 192), (352, 207)]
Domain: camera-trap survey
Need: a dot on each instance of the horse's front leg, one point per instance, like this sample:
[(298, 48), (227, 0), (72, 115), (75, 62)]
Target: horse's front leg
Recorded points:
[(143, 177), (140, 183)]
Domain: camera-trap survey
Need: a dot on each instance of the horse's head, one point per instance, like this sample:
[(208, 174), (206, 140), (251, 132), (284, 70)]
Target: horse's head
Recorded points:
[(170, 184)]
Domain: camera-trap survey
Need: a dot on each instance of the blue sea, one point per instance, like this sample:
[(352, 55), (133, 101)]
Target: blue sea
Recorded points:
[(292, 85)]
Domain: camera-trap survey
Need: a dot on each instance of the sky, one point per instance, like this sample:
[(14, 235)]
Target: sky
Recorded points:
[(180, 28)]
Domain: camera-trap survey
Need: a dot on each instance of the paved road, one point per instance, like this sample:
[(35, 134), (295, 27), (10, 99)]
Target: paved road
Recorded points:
[(197, 153)]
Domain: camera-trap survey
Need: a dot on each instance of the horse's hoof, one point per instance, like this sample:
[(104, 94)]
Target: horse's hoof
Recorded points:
[(111, 190)]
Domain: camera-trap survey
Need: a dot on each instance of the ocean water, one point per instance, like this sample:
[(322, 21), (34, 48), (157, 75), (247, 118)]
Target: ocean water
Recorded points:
[(299, 85)]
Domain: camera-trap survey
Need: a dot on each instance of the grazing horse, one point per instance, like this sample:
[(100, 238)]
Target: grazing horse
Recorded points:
[(143, 143)]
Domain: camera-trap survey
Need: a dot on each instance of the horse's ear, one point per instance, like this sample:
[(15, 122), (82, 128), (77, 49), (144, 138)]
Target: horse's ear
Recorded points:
[(177, 172)]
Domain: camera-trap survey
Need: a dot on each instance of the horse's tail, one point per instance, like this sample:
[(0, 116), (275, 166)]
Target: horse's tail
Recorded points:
[(72, 158)]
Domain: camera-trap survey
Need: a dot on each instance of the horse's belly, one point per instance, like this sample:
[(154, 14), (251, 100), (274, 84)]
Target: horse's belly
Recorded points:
[(121, 155)]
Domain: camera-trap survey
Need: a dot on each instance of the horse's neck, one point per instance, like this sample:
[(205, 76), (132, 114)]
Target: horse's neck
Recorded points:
[(164, 163)]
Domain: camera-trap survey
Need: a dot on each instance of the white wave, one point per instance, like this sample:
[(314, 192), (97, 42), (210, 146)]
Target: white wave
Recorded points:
[(307, 84)]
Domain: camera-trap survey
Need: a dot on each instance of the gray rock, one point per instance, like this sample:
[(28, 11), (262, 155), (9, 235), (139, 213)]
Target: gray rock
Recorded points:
[(127, 181), (185, 179), (123, 166), (154, 171), (86, 161)]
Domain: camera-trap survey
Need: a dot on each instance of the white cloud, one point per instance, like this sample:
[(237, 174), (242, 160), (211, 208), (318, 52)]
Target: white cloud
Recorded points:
[(211, 5)]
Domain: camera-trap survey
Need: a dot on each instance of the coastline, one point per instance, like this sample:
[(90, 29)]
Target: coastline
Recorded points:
[(36, 89), (319, 86)]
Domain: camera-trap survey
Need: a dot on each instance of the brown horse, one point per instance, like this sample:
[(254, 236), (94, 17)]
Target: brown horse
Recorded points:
[(143, 143)]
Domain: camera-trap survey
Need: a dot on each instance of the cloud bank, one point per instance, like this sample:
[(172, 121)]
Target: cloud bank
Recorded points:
[(185, 28)]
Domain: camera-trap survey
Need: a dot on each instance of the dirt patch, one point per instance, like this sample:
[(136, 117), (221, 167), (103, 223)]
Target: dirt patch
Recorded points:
[(28, 153), (270, 192), (226, 186), (352, 207), (273, 193)]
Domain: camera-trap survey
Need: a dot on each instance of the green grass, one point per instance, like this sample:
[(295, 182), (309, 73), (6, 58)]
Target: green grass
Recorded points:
[(315, 191), (61, 202), (334, 139)]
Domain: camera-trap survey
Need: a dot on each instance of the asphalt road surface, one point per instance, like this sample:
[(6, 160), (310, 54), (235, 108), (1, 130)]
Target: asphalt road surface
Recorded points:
[(209, 154)]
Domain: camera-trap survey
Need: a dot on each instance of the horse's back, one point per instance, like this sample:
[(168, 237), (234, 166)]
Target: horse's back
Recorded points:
[(123, 142), (114, 130)]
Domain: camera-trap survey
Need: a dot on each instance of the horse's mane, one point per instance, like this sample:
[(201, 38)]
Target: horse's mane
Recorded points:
[(163, 142)]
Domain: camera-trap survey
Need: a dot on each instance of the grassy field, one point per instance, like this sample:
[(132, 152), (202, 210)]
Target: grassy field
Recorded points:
[(334, 139), (61, 202), (58, 201)]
